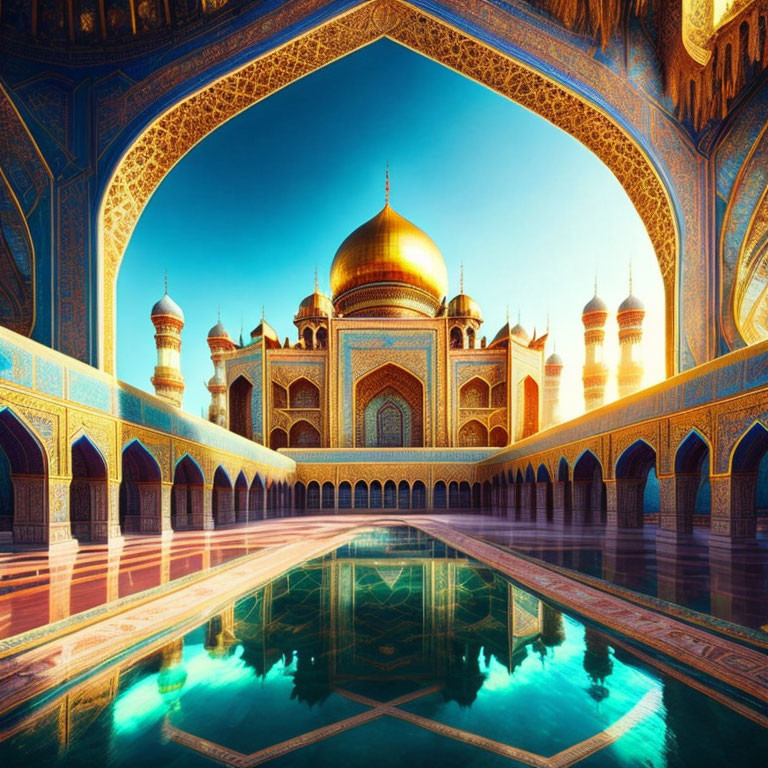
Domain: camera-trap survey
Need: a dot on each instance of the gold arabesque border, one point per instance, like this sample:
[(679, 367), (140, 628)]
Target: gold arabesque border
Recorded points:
[(170, 136)]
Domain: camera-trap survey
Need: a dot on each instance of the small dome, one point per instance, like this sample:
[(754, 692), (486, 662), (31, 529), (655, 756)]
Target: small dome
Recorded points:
[(315, 305), (554, 359), (266, 330), (167, 306), (520, 333), (595, 304), (632, 304), (218, 332), (464, 306)]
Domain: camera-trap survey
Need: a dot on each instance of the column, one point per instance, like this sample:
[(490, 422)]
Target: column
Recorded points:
[(561, 502), (205, 521), (624, 499), (733, 506), (678, 501)]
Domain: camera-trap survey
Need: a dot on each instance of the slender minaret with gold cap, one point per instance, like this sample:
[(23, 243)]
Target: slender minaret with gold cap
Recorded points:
[(595, 373), (219, 343), (168, 320), (630, 320)]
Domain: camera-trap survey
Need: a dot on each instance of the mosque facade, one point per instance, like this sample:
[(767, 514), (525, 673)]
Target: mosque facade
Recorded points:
[(386, 361)]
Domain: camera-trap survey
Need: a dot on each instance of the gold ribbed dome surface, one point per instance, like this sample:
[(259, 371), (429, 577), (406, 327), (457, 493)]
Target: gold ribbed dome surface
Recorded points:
[(389, 249)]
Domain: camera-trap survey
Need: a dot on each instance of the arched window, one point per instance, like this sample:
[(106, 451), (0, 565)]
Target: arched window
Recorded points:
[(361, 495), (223, 498), (453, 495), (527, 410), (499, 395), (475, 394), (345, 496), (498, 437), (279, 396), (390, 495), (440, 496), (403, 495), (457, 338), (304, 435), (419, 495), (303, 394), (328, 496), (376, 497), (471, 338), (473, 434), (240, 394), (308, 338), (313, 495), (465, 495), (321, 338), (278, 438)]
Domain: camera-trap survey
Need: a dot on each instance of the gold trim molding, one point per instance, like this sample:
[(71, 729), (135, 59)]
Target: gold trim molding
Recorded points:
[(169, 137)]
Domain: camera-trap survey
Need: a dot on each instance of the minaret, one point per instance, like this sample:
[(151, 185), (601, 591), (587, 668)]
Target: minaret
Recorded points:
[(595, 372), (630, 319), (219, 343), (553, 368), (168, 320)]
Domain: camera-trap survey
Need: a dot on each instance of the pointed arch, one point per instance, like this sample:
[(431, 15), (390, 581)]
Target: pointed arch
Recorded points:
[(187, 495), (88, 492), (476, 393), (278, 438), (328, 496), (498, 437), (241, 498), (303, 394), (473, 434), (304, 435), (389, 408), (256, 498), (140, 490), (345, 495), (419, 495), (223, 498), (240, 398)]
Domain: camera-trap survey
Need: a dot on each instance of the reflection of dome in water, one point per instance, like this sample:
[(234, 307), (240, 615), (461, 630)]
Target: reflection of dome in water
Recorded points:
[(388, 267)]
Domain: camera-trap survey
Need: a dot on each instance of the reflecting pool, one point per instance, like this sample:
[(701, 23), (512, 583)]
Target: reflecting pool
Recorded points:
[(391, 650)]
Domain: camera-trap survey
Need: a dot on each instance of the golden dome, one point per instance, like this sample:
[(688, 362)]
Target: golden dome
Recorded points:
[(388, 267), (315, 305), (463, 305)]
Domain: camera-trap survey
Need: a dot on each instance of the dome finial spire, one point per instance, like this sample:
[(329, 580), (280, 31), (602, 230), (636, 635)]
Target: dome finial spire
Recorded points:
[(218, 312), (317, 286), (166, 282), (507, 314), (630, 275), (461, 278), (263, 314), (595, 281), (386, 185)]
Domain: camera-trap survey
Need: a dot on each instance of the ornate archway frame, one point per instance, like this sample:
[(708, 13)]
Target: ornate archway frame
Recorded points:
[(171, 135)]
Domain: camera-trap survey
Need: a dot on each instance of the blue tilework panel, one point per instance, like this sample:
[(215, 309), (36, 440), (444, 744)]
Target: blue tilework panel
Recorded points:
[(15, 364), (49, 377), (90, 391), (398, 341)]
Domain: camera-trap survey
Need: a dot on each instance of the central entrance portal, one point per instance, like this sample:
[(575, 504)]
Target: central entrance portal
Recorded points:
[(389, 409)]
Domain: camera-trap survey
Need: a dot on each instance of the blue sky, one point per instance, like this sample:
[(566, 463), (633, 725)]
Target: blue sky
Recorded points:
[(244, 218)]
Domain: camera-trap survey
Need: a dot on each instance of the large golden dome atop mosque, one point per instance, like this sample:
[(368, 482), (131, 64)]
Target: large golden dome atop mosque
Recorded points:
[(388, 267)]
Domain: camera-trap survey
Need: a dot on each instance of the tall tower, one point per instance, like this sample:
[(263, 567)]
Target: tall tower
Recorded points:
[(168, 320), (630, 319), (219, 343), (595, 372), (553, 368)]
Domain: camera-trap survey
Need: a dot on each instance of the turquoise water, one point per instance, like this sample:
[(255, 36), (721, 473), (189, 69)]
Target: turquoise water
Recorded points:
[(477, 665)]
